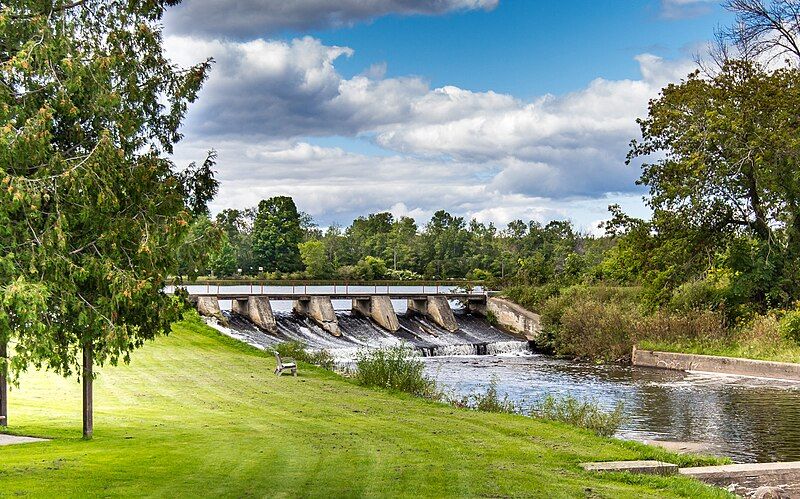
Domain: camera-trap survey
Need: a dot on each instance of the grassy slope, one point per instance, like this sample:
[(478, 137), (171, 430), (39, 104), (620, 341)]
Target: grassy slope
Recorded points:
[(199, 414)]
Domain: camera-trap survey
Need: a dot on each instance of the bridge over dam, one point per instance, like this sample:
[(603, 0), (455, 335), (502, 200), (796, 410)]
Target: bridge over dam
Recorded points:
[(254, 304)]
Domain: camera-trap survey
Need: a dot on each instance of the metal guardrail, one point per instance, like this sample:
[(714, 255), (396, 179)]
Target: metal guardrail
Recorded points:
[(336, 289)]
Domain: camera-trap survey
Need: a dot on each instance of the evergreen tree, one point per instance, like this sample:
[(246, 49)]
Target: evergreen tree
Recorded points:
[(277, 232), (91, 212)]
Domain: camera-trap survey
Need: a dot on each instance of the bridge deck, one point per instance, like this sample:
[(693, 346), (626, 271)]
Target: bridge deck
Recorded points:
[(339, 296)]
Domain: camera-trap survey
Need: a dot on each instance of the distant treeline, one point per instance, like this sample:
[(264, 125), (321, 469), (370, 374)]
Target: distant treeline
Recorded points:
[(276, 241)]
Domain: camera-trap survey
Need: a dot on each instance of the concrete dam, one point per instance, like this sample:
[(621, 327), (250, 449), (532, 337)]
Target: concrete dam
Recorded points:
[(432, 323)]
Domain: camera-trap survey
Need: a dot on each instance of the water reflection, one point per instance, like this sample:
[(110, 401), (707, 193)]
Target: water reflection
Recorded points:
[(747, 419)]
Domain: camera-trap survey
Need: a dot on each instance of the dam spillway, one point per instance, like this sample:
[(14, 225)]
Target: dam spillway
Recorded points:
[(475, 335)]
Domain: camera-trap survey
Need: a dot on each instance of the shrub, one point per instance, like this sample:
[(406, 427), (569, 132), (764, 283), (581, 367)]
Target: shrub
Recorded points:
[(395, 369), (403, 275), (789, 326), (370, 268), (298, 351), (488, 401), (347, 272), (596, 330), (763, 329), (703, 294), (530, 297), (479, 275), (680, 327), (587, 414)]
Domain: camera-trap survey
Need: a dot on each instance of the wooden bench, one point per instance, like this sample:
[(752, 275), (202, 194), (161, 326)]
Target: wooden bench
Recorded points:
[(285, 364)]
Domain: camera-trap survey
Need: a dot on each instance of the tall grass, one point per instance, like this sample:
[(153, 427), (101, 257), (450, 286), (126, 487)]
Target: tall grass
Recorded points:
[(298, 351), (587, 414), (487, 401), (396, 369)]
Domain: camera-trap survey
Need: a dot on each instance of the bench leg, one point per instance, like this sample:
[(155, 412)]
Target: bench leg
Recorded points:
[(277, 371), (294, 371)]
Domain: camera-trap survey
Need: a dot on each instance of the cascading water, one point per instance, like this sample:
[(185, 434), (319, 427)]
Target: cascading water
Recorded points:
[(475, 336)]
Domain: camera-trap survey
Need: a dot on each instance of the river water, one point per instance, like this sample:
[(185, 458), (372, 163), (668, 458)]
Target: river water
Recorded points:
[(747, 419)]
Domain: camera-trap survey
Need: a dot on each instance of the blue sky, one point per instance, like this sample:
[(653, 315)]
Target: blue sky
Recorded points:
[(491, 109), (524, 47)]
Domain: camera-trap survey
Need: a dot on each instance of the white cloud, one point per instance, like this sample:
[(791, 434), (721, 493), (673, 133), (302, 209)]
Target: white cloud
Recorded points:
[(278, 92), (684, 9), (248, 18)]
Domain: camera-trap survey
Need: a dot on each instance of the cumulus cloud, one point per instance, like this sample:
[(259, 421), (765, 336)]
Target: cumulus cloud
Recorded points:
[(334, 185), (249, 18), (282, 92)]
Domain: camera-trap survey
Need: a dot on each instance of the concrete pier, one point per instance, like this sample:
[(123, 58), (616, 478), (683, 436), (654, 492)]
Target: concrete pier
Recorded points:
[(437, 308), (257, 310), (320, 310), (208, 306), (379, 309)]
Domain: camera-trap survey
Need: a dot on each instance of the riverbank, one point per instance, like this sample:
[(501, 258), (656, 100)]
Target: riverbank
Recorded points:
[(200, 414), (603, 323)]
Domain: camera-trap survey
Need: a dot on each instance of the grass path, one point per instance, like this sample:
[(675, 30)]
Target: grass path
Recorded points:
[(197, 414)]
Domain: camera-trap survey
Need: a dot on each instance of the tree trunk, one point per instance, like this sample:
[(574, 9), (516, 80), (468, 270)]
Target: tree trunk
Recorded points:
[(88, 423), (3, 388)]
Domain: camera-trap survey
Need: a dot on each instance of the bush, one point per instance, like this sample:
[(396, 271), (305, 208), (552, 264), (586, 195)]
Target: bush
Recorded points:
[(789, 326), (370, 268), (530, 297), (395, 369), (595, 330), (298, 351), (701, 294), (403, 275), (488, 401), (762, 329), (479, 275), (587, 415), (681, 327)]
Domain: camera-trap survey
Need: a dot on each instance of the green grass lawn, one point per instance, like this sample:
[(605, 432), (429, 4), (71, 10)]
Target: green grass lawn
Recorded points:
[(198, 414)]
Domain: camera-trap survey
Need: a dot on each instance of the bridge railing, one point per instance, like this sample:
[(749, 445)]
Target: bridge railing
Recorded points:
[(330, 288)]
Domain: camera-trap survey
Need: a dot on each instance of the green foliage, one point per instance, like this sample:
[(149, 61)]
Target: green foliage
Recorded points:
[(223, 262), (479, 275), (314, 258), (789, 326), (487, 401), (726, 182), (395, 369), (298, 351), (370, 268), (277, 234), (403, 275), (92, 212), (586, 414)]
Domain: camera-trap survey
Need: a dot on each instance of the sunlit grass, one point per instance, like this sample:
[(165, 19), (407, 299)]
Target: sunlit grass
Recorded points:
[(198, 415)]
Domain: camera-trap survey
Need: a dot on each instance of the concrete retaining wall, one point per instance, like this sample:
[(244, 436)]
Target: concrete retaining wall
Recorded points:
[(713, 364), (514, 317)]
